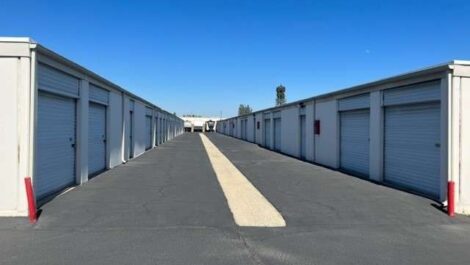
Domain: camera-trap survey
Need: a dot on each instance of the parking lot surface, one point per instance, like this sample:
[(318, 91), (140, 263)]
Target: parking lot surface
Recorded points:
[(167, 207)]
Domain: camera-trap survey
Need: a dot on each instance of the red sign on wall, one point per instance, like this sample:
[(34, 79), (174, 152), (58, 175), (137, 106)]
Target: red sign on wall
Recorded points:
[(316, 127)]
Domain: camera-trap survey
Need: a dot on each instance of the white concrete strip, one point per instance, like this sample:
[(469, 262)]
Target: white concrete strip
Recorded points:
[(248, 206)]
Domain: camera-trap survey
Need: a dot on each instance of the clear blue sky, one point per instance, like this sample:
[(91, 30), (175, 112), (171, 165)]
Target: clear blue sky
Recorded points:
[(205, 57)]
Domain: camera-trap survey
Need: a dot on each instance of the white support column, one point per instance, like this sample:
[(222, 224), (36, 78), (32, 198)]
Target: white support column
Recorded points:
[(81, 141), (23, 129), (271, 137), (154, 130), (446, 135), (376, 136), (125, 110), (454, 142)]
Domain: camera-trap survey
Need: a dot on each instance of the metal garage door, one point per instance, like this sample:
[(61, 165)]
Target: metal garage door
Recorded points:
[(277, 134), (303, 136), (412, 147), (354, 141), (157, 133), (130, 141), (244, 129), (161, 131), (148, 132), (55, 157), (254, 129), (96, 138), (267, 133)]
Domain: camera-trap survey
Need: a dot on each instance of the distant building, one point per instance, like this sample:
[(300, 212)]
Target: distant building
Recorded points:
[(200, 124)]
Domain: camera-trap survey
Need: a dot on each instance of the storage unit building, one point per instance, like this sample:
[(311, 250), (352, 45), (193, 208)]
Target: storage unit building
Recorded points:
[(67, 123), (410, 131)]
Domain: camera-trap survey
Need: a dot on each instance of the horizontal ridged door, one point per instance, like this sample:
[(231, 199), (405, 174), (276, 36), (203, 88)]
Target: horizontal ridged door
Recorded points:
[(412, 147), (354, 141), (56, 81), (267, 133), (55, 156), (96, 138), (148, 132)]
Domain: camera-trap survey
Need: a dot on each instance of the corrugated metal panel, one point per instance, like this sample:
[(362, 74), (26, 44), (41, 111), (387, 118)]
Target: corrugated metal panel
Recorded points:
[(148, 111), (131, 105), (354, 141), (96, 138), (302, 110), (98, 94), (277, 134), (55, 159), (422, 92), (356, 102), (303, 136), (267, 133), (53, 80), (412, 147), (148, 132), (276, 114)]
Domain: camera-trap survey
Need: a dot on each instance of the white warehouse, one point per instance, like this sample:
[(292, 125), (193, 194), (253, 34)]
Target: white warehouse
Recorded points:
[(410, 131), (61, 124)]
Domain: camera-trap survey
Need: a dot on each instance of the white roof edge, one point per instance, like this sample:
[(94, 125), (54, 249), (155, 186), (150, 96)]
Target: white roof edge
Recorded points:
[(80, 68), (422, 70), (460, 62), (17, 39)]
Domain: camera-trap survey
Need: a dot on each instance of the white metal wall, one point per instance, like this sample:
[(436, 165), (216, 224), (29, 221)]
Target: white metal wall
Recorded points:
[(290, 131), (303, 136), (277, 122), (326, 143)]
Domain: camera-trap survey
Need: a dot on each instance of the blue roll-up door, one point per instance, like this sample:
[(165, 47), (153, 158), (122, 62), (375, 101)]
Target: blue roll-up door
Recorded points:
[(354, 141), (55, 156), (412, 147), (96, 138), (267, 133), (148, 132)]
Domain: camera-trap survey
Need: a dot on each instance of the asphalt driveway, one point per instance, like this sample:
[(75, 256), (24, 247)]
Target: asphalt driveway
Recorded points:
[(166, 207)]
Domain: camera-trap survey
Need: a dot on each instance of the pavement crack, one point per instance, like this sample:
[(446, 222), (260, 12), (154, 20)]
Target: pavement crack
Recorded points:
[(252, 254)]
